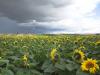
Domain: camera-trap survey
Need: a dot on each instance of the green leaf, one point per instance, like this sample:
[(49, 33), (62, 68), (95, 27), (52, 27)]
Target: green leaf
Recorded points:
[(23, 72), (2, 62), (45, 64), (60, 66), (66, 72), (6, 72), (11, 66), (35, 72), (71, 67), (50, 69), (32, 65), (80, 72), (20, 72), (14, 57)]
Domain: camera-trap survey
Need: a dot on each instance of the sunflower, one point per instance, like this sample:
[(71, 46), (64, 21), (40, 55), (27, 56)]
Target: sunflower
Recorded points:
[(78, 55), (97, 43), (25, 58), (90, 65), (54, 54)]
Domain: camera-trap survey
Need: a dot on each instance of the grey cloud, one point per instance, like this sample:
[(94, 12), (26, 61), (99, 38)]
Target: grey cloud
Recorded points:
[(45, 27), (42, 29), (15, 12), (27, 10), (9, 26)]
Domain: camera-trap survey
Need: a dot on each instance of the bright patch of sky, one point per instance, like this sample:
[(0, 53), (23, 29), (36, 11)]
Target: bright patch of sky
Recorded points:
[(97, 11)]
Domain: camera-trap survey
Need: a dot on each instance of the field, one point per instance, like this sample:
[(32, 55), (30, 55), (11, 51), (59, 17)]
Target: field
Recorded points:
[(27, 54)]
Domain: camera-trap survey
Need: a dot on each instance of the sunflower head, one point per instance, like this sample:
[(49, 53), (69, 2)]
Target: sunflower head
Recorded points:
[(97, 43), (78, 55), (0, 57), (25, 58), (90, 65), (54, 55)]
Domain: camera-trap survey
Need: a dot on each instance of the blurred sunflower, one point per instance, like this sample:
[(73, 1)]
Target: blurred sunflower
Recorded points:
[(78, 55), (25, 58), (54, 55), (97, 43), (0, 57), (90, 65)]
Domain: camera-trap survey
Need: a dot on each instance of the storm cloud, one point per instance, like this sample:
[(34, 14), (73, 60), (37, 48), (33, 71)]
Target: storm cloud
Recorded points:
[(49, 16), (15, 12), (27, 10), (10, 26)]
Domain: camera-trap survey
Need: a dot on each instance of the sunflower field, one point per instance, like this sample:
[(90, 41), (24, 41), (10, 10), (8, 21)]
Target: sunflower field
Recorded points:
[(30, 54)]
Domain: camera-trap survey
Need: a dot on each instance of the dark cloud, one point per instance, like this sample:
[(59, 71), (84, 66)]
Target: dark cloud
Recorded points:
[(19, 10), (15, 12), (43, 29), (26, 10), (9, 26)]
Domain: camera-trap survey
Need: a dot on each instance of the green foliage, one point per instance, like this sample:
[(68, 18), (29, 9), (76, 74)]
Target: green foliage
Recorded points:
[(37, 49)]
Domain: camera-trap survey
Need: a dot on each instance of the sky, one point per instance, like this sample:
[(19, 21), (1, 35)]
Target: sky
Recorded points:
[(50, 16)]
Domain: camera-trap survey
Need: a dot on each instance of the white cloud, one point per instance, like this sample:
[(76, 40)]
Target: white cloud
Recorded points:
[(82, 7), (78, 17)]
